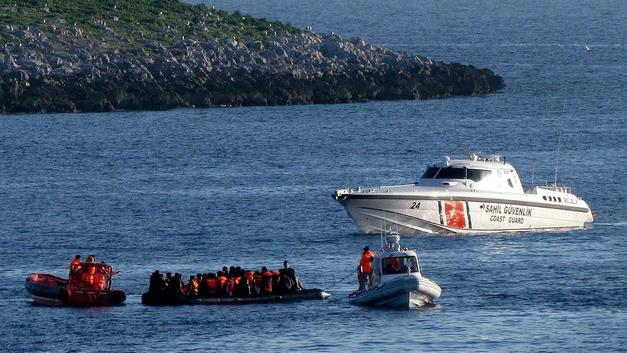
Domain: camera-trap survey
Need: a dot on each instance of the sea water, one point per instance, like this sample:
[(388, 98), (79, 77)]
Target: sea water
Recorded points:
[(191, 190)]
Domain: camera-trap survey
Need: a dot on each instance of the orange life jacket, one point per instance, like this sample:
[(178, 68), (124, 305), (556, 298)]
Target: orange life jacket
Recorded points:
[(237, 280), (268, 278), (212, 285), (249, 276), (99, 280), (222, 280), (74, 264), (366, 261), (87, 278)]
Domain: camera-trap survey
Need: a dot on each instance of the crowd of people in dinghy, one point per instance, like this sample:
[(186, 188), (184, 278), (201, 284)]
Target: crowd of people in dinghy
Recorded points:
[(229, 282)]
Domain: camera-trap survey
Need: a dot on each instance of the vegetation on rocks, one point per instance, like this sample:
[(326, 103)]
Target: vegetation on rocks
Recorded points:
[(89, 55), (129, 22)]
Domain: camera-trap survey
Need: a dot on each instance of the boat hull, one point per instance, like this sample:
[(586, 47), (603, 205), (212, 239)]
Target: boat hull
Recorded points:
[(411, 214), (50, 290), (164, 299), (407, 292)]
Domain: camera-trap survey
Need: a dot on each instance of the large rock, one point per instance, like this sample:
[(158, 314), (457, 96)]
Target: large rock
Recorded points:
[(64, 70)]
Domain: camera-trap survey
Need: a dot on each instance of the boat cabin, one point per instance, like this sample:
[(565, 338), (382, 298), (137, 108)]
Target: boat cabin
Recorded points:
[(395, 261), (477, 173)]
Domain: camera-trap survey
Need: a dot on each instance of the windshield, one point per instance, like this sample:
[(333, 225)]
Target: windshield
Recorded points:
[(452, 173), (430, 172), (478, 174), (401, 264), (456, 173)]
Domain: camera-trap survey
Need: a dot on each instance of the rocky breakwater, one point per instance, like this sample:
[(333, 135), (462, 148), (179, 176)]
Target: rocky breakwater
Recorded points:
[(59, 67)]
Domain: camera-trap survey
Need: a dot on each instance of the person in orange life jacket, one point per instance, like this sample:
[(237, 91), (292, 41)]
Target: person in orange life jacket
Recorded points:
[(222, 282), (276, 280), (393, 266), (250, 277), (364, 270), (192, 286), (75, 265), (212, 285), (198, 282), (88, 275), (289, 272), (99, 280), (267, 284)]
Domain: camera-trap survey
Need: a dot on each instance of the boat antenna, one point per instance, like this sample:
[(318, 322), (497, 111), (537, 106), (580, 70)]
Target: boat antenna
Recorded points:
[(382, 230), (559, 143)]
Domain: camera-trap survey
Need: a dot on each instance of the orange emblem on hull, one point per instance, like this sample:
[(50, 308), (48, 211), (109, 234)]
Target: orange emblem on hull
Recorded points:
[(455, 216)]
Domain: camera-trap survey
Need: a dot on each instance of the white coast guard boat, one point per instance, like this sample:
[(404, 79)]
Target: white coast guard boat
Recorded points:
[(480, 194), (398, 280)]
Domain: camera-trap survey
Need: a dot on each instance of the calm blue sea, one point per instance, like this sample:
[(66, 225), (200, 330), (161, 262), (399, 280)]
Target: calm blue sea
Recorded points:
[(191, 190)]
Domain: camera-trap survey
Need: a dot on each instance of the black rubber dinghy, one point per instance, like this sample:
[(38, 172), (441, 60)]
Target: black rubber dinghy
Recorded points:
[(162, 298)]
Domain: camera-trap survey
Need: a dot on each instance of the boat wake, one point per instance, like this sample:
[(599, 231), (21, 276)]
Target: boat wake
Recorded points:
[(613, 224)]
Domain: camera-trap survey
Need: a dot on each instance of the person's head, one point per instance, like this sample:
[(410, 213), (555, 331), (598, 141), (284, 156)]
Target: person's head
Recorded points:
[(286, 264), (191, 277), (91, 258), (168, 274), (77, 257), (366, 248), (264, 269), (198, 275)]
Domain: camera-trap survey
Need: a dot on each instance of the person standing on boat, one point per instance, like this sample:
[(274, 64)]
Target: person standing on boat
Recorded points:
[(291, 273), (75, 264), (364, 270)]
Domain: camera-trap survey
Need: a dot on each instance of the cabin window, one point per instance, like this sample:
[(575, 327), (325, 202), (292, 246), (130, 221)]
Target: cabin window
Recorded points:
[(452, 173), (544, 198), (400, 264), (478, 174), (509, 182), (430, 172)]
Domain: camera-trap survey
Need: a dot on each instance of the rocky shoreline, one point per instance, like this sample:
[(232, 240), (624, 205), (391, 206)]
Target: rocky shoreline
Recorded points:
[(60, 68)]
